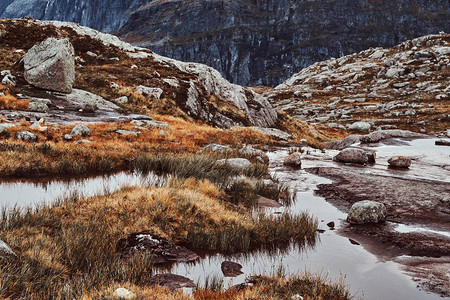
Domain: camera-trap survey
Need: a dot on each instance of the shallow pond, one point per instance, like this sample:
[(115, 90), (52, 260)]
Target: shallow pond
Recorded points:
[(333, 256)]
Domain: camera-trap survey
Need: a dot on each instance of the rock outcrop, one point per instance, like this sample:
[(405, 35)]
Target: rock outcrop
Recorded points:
[(406, 87), (50, 65), (284, 35)]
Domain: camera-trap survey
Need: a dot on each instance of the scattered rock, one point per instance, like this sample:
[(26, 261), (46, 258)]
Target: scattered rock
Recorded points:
[(27, 136), (380, 135), (217, 148), (240, 163), (6, 251), (399, 161), (366, 211), (274, 132), (162, 133), (38, 126), (361, 127), (171, 281), (162, 250), (266, 202), (353, 242), (294, 160), (231, 269), (149, 123), (149, 92), (8, 78), (67, 137), (50, 65), (82, 142), (38, 107), (254, 153), (342, 144), (127, 132), (80, 130), (123, 294), (331, 225), (371, 157), (121, 100), (352, 155)]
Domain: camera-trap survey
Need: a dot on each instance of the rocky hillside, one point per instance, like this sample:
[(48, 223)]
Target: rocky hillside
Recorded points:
[(136, 79), (407, 86), (250, 42)]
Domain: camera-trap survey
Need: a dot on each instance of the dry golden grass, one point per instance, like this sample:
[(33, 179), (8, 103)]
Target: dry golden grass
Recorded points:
[(8, 101)]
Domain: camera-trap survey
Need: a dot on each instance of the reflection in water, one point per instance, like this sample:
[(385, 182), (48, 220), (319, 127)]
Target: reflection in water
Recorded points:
[(332, 256)]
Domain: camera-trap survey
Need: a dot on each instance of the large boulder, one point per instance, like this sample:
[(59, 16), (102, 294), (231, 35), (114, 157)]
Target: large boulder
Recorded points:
[(80, 130), (366, 211), (50, 65), (352, 155), (399, 161)]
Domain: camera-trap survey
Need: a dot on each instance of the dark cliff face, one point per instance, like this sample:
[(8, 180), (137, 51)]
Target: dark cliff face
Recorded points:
[(264, 42), (105, 15), (252, 42)]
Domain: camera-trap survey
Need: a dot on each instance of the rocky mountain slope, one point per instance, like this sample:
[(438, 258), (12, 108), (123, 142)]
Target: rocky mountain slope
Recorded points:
[(141, 79), (407, 86), (250, 42)]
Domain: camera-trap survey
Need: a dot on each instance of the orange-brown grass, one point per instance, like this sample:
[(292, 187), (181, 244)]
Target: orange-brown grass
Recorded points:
[(109, 151), (72, 246), (10, 102)]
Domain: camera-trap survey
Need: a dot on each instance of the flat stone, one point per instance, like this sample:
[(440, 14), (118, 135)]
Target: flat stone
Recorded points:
[(27, 136), (266, 202), (276, 133), (127, 132), (38, 107), (217, 148), (149, 123)]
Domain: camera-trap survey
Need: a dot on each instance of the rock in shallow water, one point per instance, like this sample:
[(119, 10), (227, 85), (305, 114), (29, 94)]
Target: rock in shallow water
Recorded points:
[(352, 155), (231, 269), (366, 211), (171, 281), (294, 160), (399, 161)]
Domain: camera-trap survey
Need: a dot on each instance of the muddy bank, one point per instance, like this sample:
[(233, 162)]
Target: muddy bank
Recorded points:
[(423, 206)]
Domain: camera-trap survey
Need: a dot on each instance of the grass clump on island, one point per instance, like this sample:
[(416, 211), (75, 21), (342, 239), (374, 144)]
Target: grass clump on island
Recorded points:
[(68, 250)]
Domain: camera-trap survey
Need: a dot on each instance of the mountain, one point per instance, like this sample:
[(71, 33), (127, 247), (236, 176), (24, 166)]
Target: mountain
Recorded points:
[(250, 42)]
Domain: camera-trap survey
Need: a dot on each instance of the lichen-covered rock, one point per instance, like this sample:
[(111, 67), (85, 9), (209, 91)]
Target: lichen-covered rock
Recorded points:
[(38, 107), (239, 163), (150, 123), (399, 161), (149, 91), (293, 160), (80, 130), (361, 127), (366, 211), (27, 136), (50, 65), (352, 155)]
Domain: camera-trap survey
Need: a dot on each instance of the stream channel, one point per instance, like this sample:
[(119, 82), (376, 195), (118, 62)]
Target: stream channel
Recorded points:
[(334, 257)]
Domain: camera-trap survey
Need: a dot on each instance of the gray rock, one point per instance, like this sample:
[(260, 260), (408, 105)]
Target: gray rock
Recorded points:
[(366, 211), (149, 92), (38, 126), (82, 142), (391, 133), (80, 130), (217, 148), (27, 136), (253, 152), (361, 127), (352, 155), (67, 137), (8, 78), (38, 107), (50, 65), (127, 132), (121, 100), (162, 132), (123, 294), (231, 269), (235, 162), (149, 123), (399, 161), (448, 130), (442, 143), (276, 133), (342, 144), (6, 251), (293, 160)]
